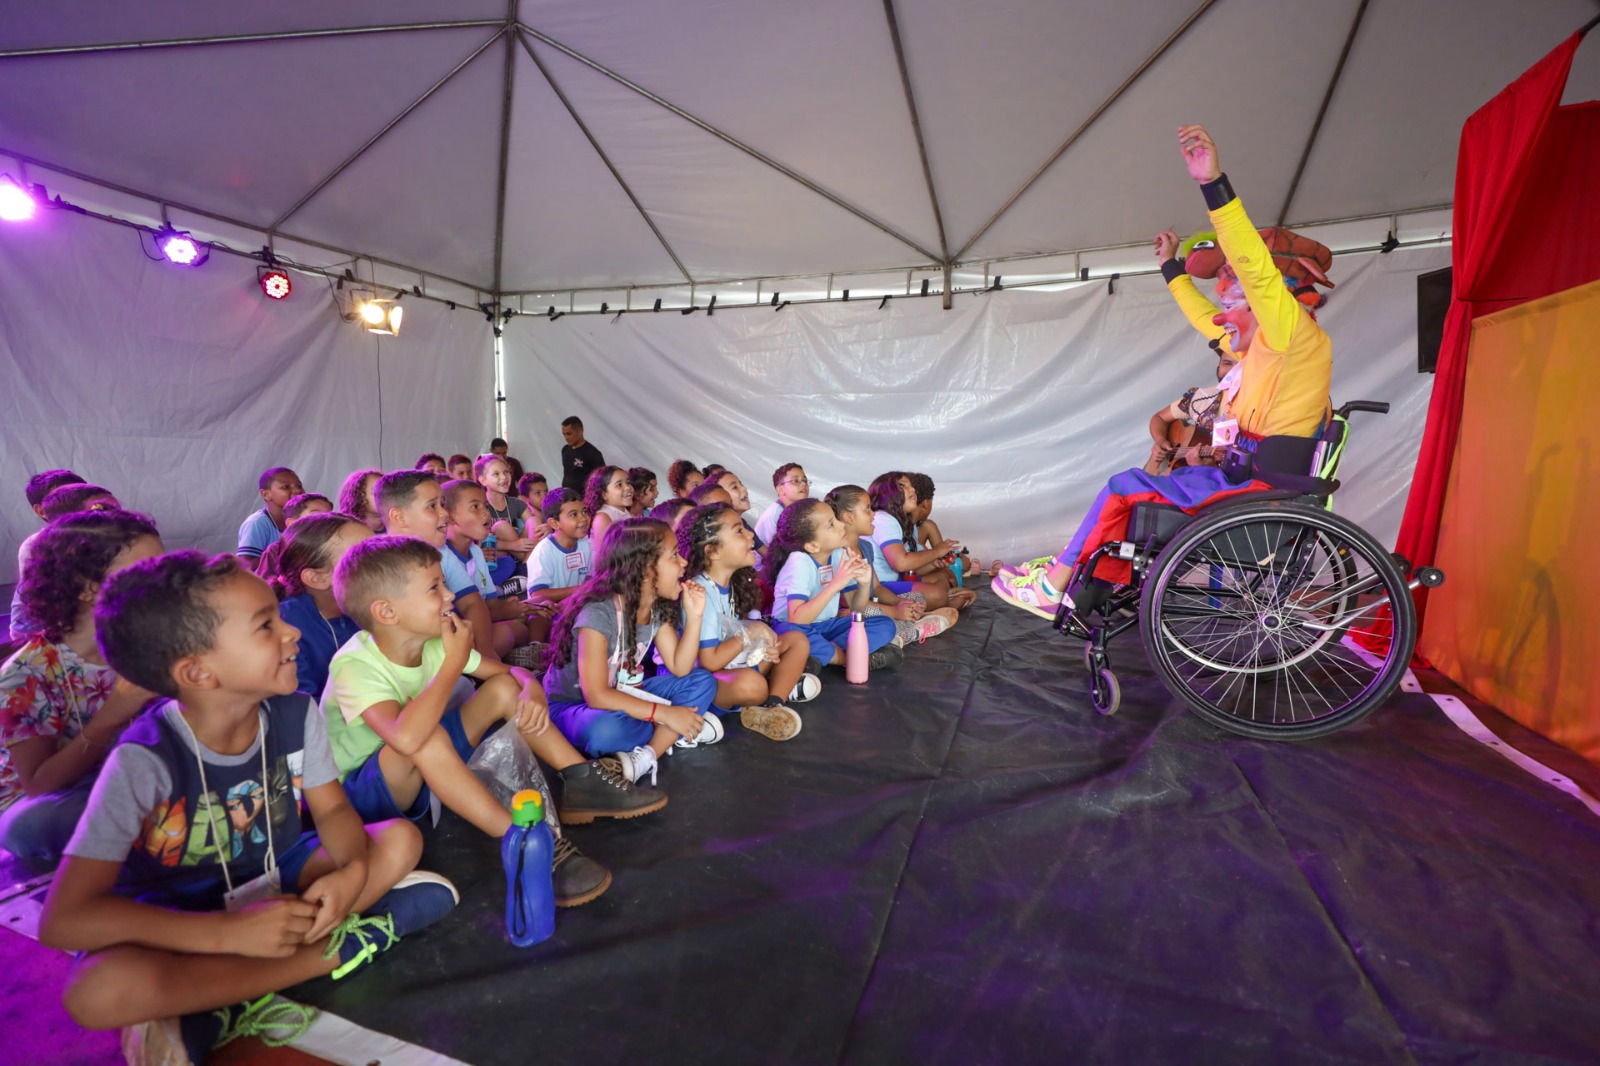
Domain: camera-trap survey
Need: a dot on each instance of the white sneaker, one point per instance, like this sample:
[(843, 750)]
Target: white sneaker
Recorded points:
[(710, 732), (935, 622), (806, 689), (635, 764)]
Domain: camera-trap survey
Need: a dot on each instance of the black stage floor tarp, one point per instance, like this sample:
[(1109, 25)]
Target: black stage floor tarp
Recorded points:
[(964, 863)]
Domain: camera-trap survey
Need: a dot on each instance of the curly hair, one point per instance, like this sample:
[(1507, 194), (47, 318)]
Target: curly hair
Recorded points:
[(158, 611), (305, 545), (40, 484), (70, 499), (678, 475), (796, 525), (624, 566), (594, 490), (529, 480), (698, 532), (924, 486), (69, 557), (889, 497), (640, 478), (355, 496)]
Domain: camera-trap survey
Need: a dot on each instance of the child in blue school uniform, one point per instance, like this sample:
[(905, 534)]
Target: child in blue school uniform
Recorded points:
[(262, 529), (812, 562), (564, 559)]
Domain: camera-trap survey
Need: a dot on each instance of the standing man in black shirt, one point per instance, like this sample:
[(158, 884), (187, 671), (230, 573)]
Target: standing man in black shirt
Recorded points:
[(579, 458)]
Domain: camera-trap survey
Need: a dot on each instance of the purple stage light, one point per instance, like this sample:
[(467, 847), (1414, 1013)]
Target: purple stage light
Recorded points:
[(180, 248), (16, 203)]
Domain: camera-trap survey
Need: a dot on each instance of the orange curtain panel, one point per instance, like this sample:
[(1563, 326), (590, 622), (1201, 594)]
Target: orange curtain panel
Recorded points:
[(1518, 623)]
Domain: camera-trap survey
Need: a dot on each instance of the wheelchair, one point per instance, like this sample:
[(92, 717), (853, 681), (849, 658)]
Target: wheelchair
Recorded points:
[(1246, 607)]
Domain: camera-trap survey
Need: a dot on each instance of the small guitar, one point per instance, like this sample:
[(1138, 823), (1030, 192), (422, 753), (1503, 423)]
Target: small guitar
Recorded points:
[(1189, 443)]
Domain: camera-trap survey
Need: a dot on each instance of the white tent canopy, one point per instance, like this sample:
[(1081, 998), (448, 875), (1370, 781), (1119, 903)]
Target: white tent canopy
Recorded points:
[(534, 147)]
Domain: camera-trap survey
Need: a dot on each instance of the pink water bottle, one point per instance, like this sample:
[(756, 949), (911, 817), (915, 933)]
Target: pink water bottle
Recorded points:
[(855, 651)]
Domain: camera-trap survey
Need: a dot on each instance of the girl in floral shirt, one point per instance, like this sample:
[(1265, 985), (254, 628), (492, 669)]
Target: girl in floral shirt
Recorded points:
[(61, 707)]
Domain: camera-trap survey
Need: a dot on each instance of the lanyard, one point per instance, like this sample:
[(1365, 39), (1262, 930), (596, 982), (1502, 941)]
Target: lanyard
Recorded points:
[(266, 794)]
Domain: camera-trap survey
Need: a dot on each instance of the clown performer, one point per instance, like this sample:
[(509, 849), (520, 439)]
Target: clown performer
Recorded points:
[(1277, 407)]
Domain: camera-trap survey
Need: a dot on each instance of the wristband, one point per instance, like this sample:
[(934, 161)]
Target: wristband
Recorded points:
[(1218, 193), (1172, 268), (652, 718)]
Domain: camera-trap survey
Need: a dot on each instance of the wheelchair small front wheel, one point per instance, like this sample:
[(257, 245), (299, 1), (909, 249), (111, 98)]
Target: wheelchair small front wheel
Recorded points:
[(1246, 616), (1105, 691)]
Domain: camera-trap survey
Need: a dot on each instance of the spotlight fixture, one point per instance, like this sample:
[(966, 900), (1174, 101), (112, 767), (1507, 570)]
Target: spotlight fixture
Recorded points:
[(16, 202), (380, 316), (181, 248), (274, 282)]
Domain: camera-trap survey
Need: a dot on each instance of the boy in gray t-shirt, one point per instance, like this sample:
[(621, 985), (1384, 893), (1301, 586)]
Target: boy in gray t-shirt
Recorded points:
[(191, 859)]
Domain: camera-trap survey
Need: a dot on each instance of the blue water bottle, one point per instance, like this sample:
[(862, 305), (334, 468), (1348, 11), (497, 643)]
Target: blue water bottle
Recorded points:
[(527, 852)]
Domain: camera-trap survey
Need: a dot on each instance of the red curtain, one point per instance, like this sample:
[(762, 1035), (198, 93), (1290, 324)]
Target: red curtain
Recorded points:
[(1527, 224)]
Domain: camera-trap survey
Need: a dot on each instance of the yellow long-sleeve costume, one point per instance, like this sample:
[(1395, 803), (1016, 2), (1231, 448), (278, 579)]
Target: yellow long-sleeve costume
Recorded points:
[(1287, 369)]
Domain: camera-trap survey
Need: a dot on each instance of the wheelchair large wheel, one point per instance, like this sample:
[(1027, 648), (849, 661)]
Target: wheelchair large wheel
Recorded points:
[(1245, 616)]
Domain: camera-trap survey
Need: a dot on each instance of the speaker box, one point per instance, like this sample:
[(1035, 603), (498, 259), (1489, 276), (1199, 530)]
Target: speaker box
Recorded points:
[(1433, 303)]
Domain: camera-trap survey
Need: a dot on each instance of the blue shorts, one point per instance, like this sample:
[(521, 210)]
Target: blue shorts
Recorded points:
[(293, 861), (899, 588), (369, 793), (824, 637)]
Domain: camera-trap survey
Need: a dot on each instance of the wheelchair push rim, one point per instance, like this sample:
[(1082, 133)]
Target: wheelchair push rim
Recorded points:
[(1245, 616)]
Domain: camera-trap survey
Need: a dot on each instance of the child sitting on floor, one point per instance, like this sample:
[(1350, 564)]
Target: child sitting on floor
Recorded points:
[(257, 533), (61, 706), (192, 882), (643, 482), (431, 462), (599, 696), (719, 551), (38, 487), (459, 467), (302, 579), (892, 501), (607, 495), (564, 559), (355, 499), (708, 492), (531, 489), (397, 740), (507, 514), (683, 477), (515, 623), (789, 481), (812, 562), (852, 505), (412, 504)]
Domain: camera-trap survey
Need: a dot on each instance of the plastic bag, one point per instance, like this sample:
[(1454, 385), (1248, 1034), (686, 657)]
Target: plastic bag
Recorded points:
[(760, 642), (505, 764)]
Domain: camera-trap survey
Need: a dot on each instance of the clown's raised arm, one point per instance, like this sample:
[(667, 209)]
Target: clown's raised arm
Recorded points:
[(1191, 301), (1278, 313)]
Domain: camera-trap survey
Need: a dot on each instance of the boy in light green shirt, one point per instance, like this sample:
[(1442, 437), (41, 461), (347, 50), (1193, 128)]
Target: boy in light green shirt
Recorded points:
[(396, 740)]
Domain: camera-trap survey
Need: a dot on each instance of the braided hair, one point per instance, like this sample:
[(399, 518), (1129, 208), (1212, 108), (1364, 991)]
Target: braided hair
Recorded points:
[(696, 534)]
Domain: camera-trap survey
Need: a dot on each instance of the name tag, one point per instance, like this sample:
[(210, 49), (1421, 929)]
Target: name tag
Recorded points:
[(575, 561), (824, 574), (265, 887), (1225, 431)]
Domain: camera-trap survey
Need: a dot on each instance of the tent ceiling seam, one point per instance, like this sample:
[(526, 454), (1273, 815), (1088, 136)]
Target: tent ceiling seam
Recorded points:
[(1105, 105), (1322, 110), (392, 123), (217, 216), (916, 124), (733, 141), (240, 38), (505, 144), (604, 158)]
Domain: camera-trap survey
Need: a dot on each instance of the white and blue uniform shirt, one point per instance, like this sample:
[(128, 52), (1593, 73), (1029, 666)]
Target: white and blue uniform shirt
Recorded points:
[(256, 534), (719, 621), (885, 530), (553, 567), (802, 579), (467, 573)]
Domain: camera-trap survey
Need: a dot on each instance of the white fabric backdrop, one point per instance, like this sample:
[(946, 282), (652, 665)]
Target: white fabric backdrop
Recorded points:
[(1018, 404), (175, 388)]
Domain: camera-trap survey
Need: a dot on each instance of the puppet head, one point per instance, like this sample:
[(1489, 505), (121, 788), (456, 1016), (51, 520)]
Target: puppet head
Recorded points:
[(1303, 261)]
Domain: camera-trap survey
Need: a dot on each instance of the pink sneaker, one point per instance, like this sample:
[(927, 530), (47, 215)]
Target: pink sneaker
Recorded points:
[(1028, 591), (935, 622)]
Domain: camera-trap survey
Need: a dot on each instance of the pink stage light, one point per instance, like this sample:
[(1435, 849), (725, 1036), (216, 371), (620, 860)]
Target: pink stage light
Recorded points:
[(180, 248), (275, 284), (16, 203)]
